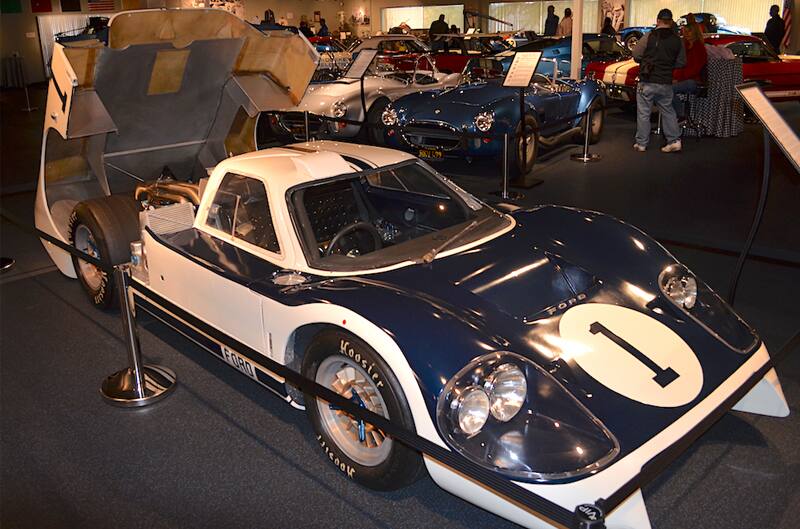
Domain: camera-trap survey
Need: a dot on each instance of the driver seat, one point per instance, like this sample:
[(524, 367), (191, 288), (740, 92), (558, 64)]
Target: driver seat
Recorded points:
[(330, 208)]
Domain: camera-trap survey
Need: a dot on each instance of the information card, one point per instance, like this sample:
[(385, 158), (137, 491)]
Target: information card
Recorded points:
[(781, 132), (360, 64), (522, 69)]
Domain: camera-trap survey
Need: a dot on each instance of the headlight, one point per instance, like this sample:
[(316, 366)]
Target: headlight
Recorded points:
[(697, 300), (507, 390), (338, 109), (389, 116), (507, 414), (680, 288), (472, 409), (484, 121)]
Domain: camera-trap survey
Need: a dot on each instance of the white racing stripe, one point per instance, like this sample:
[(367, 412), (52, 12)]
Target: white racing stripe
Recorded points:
[(618, 70)]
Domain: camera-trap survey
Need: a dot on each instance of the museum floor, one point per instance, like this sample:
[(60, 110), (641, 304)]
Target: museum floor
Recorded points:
[(221, 452)]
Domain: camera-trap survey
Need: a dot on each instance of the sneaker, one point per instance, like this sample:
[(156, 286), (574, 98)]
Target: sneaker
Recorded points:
[(640, 148), (675, 146)]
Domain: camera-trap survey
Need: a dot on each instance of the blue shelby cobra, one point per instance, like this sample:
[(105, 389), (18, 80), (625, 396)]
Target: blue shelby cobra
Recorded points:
[(470, 121), (596, 47)]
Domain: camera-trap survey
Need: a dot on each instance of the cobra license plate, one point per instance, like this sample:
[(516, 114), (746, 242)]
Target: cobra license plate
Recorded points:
[(236, 361), (431, 154)]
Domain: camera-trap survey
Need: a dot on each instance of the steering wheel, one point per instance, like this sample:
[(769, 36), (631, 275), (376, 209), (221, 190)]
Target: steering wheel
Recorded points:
[(377, 242)]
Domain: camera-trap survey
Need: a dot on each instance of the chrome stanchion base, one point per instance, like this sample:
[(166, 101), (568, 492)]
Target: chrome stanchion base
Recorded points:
[(6, 263), (119, 389), (585, 158), (510, 195)]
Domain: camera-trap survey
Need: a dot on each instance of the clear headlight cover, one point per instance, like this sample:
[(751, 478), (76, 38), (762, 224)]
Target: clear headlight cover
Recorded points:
[(705, 307), (507, 389), (339, 109), (389, 116), (472, 409), (484, 121), (531, 431), (681, 289)]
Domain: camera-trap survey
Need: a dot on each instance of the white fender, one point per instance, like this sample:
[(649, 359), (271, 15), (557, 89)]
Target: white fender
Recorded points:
[(631, 514), (766, 398)]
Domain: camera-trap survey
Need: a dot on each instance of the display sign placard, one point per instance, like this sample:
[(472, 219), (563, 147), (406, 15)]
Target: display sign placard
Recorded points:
[(360, 64), (522, 69), (780, 131)]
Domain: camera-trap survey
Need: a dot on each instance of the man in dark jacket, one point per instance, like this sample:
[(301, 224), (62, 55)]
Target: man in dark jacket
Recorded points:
[(658, 53), (438, 27), (551, 22), (775, 28)]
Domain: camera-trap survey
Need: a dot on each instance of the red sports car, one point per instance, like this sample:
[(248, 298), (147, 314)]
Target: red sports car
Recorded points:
[(779, 75)]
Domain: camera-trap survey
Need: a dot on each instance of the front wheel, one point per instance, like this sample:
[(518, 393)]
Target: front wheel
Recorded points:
[(348, 366), (103, 228), (375, 130), (598, 112)]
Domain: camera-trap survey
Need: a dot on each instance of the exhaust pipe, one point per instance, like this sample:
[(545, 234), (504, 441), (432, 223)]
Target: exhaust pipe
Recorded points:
[(550, 141)]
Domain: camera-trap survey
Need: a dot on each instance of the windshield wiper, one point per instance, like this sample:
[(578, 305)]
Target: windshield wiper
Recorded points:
[(431, 255)]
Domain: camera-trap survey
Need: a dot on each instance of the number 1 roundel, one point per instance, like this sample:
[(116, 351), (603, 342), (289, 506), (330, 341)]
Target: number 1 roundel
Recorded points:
[(632, 354)]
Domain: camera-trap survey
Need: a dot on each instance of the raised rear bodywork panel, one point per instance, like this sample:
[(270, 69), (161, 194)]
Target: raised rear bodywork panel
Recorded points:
[(176, 89)]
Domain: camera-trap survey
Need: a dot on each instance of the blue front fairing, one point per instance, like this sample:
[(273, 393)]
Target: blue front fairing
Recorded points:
[(509, 295)]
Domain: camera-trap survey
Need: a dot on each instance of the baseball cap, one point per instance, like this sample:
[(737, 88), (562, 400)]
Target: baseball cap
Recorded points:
[(664, 14)]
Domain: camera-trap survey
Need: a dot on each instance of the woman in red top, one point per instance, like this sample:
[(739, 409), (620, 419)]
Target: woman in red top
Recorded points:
[(686, 80)]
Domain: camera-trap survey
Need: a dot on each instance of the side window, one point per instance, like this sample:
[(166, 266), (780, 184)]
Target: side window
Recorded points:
[(241, 208)]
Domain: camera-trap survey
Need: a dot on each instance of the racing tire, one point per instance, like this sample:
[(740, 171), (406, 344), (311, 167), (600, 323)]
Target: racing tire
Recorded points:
[(347, 365), (516, 169), (103, 227), (598, 112), (374, 131)]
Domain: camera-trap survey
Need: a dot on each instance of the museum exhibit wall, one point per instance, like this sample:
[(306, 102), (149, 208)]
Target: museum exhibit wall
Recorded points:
[(19, 32)]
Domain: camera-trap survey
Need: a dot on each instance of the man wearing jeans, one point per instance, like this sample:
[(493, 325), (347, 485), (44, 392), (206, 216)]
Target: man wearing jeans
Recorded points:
[(658, 53)]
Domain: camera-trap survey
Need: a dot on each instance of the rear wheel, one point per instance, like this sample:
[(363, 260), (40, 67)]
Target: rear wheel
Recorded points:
[(348, 366), (632, 40), (103, 228), (518, 168), (598, 112)]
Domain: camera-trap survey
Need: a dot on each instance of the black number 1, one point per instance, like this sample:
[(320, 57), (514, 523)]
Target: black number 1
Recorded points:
[(664, 377)]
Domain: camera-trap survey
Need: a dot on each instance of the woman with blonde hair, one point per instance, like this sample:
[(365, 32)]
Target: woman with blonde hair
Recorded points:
[(687, 80)]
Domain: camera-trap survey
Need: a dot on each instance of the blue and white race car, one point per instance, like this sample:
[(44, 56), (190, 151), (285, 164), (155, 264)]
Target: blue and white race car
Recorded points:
[(470, 120), (558, 349)]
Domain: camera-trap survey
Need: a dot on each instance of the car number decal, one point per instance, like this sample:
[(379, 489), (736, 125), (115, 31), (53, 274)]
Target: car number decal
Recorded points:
[(238, 362), (631, 354)]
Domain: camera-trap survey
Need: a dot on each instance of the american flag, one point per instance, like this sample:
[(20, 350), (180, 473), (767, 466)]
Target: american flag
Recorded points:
[(787, 23), (101, 5)]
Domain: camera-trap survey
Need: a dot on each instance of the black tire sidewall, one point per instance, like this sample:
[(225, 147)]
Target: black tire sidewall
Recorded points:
[(403, 465), (373, 133), (114, 224), (596, 106), (515, 161)]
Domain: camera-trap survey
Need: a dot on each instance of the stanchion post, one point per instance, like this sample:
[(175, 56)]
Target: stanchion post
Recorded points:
[(505, 167), (504, 193), (28, 107), (138, 384), (586, 156), (305, 118)]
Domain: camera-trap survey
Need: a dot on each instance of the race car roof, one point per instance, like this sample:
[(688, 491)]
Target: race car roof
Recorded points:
[(284, 167)]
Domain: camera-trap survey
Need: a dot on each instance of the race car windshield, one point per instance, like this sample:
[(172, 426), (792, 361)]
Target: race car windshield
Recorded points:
[(386, 216)]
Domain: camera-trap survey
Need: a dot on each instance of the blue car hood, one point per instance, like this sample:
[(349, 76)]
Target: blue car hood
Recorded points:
[(477, 95)]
